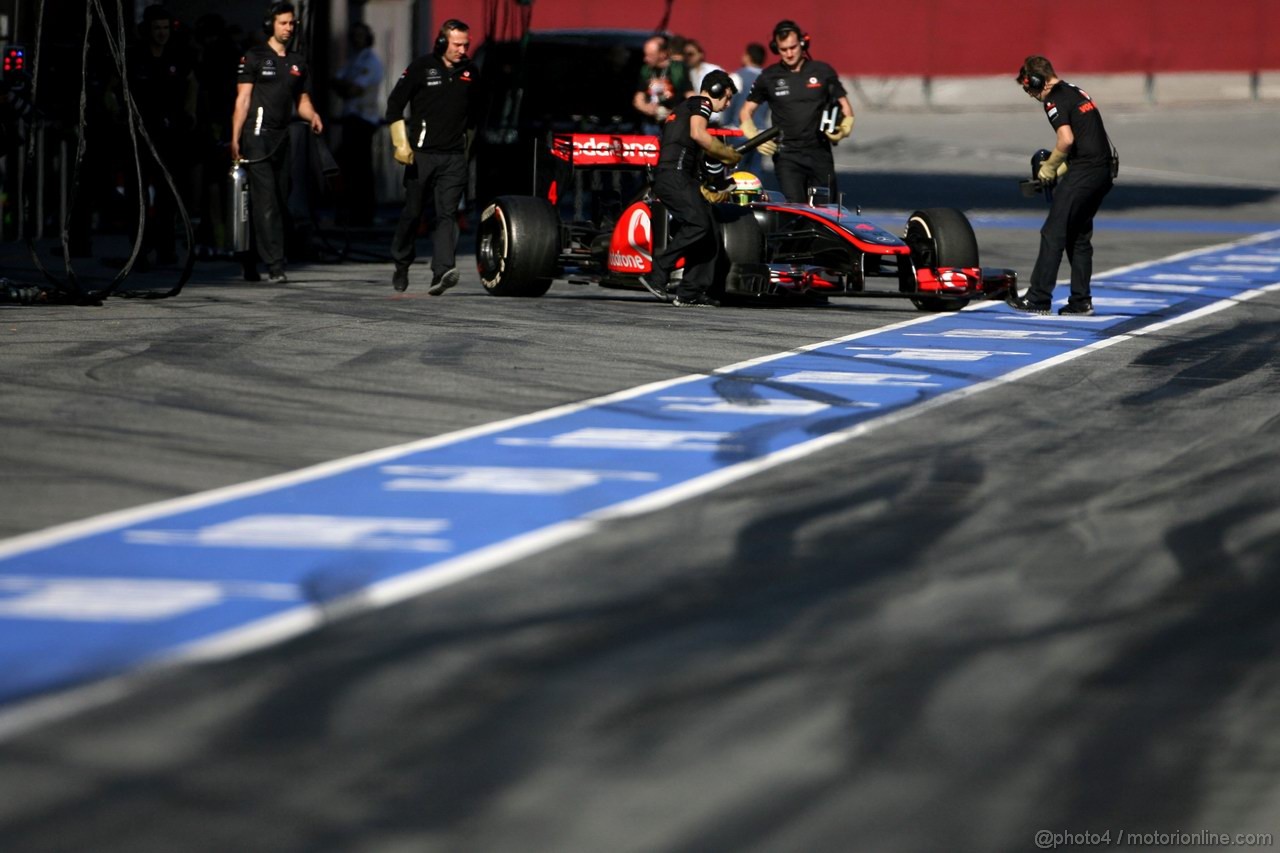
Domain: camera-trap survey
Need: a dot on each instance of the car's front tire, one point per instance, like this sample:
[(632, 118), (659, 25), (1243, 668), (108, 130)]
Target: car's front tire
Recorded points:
[(941, 237)]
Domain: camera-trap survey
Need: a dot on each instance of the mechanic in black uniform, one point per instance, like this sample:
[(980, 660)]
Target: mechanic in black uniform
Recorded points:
[(272, 81), (798, 89), (1083, 146), (677, 181), (441, 92)]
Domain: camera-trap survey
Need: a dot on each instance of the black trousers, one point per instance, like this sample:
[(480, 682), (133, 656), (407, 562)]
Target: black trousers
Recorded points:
[(269, 200), (444, 177), (1069, 228), (797, 169), (692, 235)]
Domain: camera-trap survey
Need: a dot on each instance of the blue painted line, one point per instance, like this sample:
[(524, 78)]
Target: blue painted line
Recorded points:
[(238, 568)]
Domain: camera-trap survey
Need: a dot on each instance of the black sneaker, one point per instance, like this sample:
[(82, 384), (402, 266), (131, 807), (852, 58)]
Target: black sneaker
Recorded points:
[(250, 270), (696, 302), (276, 276), (1020, 303), (1080, 309), (400, 279), (661, 294), (442, 281)]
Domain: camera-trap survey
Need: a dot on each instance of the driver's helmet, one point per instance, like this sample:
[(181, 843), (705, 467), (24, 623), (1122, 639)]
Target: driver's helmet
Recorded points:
[(746, 188)]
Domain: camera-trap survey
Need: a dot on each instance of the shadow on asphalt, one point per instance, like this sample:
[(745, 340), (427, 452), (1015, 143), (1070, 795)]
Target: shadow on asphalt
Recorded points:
[(904, 190)]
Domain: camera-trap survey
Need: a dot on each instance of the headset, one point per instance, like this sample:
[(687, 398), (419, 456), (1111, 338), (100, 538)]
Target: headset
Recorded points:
[(717, 83), (442, 40), (269, 20), (782, 29), (1030, 81)]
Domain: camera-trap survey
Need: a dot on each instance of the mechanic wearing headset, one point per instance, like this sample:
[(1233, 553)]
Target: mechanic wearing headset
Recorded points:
[(1083, 145), (440, 90), (272, 81), (677, 181), (798, 89)]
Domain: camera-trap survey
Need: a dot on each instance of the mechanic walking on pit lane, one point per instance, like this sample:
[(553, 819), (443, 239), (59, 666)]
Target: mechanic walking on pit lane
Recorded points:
[(1083, 146), (677, 182), (272, 81), (440, 91), (799, 90)]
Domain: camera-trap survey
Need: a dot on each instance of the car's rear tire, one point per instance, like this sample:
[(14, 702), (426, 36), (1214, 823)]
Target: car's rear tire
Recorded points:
[(518, 246), (941, 237)]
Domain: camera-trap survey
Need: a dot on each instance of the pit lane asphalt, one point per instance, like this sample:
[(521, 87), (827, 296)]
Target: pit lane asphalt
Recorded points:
[(1048, 606)]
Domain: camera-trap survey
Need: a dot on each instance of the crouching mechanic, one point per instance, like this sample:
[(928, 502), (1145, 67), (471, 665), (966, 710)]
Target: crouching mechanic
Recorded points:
[(678, 183), (1082, 144), (799, 89), (440, 91)]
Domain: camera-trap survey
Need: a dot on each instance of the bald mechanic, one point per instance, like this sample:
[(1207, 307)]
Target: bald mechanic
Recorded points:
[(441, 92)]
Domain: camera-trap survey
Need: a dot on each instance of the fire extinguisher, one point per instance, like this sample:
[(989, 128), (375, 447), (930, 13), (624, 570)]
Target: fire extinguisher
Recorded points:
[(239, 207)]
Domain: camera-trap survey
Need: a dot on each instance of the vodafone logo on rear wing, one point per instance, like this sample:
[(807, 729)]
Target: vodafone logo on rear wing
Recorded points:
[(611, 149), (606, 149)]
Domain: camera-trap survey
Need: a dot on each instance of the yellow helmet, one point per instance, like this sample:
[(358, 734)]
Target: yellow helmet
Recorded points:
[(746, 188)]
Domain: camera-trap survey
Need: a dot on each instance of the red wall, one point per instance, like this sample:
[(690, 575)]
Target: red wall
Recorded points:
[(951, 37)]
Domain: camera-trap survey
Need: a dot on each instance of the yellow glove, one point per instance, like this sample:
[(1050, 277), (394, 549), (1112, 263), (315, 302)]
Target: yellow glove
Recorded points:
[(400, 139), (724, 153), (844, 129), (1048, 171), (766, 149), (714, 196)]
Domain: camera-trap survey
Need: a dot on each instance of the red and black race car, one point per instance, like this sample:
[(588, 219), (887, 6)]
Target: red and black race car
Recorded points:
[(577, 228)]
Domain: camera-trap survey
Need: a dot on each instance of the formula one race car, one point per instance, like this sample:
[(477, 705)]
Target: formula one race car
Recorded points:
[(577, 228)]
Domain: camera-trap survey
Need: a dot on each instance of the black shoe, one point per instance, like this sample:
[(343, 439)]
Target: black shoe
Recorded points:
[(250, 269), (1080, 309), (1020, 303), (696, 302), (442, 281), (276, 276), (660, 293), (400, 280)]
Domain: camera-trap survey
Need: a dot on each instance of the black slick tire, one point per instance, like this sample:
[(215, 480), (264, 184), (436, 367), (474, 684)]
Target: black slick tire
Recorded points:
[(518, 246)]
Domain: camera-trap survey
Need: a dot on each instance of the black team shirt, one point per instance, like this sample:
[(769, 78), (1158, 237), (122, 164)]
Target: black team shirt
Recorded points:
[(797, 99), (1070, 105), (679, 151), (278, 81), (440, 101)]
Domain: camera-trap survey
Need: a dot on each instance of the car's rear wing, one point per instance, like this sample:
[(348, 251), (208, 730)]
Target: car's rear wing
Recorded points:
[(613, 150)]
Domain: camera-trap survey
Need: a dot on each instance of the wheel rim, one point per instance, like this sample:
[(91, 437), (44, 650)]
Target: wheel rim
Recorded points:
[(491, 253), (918, 232)]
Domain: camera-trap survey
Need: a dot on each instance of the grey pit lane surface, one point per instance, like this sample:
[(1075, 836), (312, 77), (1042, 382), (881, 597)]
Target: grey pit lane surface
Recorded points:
[(1048, 606)]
